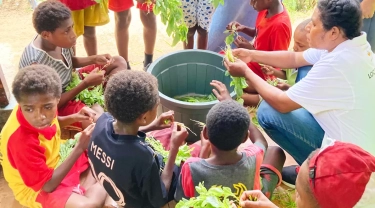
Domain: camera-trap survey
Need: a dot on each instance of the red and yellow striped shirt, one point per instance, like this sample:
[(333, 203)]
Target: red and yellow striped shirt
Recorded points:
[(28, 156)]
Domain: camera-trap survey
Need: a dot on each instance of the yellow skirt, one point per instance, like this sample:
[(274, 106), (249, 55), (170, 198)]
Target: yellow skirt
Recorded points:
[(92, 16)]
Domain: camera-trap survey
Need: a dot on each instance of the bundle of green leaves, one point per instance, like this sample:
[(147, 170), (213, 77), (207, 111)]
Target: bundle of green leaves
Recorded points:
[(214, 197), (89, 97), (184, 152), (239, 83), (196, 98), (67, 147), (171, 14)]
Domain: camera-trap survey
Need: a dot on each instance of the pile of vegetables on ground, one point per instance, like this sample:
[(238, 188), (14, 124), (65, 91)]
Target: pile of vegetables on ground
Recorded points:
[(87, 96), (214, 197)]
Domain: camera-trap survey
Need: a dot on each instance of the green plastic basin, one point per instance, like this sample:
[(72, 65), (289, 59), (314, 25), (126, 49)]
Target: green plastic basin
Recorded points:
[(184, 72)]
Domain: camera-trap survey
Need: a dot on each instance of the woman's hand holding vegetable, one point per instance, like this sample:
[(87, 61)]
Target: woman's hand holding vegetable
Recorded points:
[(96, 77), (237, 68), (221, 91), (268, 70), (283, 86)]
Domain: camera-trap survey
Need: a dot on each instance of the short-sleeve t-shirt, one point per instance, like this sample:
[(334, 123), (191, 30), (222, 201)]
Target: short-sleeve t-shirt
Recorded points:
[(339, 91), (273, 34), (242, 176), (126, 166), (33, 55), (28, 156)]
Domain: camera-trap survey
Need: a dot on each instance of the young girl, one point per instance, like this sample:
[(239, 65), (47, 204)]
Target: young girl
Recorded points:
[(197, 15)]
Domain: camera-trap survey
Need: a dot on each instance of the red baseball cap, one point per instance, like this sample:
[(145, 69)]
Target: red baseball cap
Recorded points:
[(342, 175)]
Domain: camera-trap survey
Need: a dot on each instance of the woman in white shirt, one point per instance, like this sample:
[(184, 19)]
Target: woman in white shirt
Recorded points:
[(337, 96)]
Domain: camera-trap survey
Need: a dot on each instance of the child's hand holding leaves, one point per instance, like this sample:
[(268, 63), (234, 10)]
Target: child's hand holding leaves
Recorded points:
[(165, 120), (179, 134), (241, 42), (85, 137), (85, 114), (96, 77), (235, 25), (104, 59)]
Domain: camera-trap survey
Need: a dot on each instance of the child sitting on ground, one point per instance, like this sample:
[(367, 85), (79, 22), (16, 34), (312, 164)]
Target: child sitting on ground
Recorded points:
[(300, 45), (30, 145), (341, 175), (272, 32), (130, 171), (227, 127), (53, 47)]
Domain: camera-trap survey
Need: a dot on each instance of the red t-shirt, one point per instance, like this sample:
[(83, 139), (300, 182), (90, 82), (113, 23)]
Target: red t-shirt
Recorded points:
[(272, 34)]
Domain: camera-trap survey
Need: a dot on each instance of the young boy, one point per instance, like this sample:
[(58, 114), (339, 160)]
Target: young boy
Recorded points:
[(227, 126), (348, 181), (130, 171), (300, 44), (30, 144), (272, 32), (198, 14), (52, 47), (121, 8)]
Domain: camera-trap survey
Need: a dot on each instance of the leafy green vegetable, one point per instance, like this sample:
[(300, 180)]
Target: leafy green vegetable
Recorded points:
[(167, 121), (196, 98), (239, 83), (89, 97), (184, 152), (67, 147), (171, 14), (214, 197)]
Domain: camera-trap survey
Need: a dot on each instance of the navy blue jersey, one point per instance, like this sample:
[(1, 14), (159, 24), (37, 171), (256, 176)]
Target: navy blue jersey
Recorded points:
[(128, 169)]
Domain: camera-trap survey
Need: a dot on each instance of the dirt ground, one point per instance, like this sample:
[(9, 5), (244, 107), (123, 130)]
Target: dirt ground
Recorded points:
[(17, 31)]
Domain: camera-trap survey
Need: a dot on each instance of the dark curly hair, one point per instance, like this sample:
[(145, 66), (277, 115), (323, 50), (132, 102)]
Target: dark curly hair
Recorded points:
[(36, 79), (131, 93), (227, 124), (49, 15), (345, 14)]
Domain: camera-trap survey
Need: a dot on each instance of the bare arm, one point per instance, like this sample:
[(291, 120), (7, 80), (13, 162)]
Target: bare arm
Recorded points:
[(249, 31), (167, 174), (275, 97), (257, 136), (69, 95), (279, 59), (60, 172)]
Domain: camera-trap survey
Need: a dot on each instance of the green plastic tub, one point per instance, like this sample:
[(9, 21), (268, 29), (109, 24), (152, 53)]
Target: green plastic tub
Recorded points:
[(188, 71)]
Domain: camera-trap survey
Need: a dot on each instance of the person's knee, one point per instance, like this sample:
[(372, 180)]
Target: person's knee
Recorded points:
[(264, 113), (202, 31), (119, 62), (148, 19), (277, 152), (123, 19)]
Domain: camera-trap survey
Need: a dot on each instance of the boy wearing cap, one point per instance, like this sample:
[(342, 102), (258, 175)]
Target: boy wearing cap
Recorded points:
[(348, 181)]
